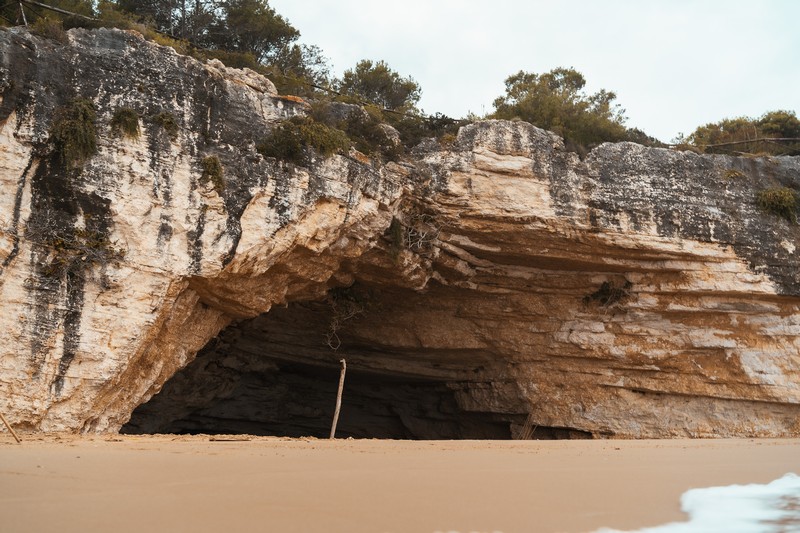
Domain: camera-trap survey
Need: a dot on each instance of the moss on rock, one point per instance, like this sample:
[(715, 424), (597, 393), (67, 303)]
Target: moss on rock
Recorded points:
[(291, 140), (213, 173), (126, 122), (74, 134), (780, 201)]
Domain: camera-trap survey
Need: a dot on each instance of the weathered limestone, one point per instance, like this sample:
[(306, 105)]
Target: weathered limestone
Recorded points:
[(82, 351), (694, 342), (639, 292)]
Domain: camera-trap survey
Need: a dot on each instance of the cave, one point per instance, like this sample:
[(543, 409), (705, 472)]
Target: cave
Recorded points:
[(284, 398), (277, 375)]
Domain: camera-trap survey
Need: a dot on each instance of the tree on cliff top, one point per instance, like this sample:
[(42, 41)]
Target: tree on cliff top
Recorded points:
[(749, 135), (240, 33), (252, 26), (183, 19), (246, 26), (378, 83), (557, 102)]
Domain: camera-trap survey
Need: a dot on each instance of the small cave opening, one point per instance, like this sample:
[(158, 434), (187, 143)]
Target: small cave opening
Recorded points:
[(277, 375)]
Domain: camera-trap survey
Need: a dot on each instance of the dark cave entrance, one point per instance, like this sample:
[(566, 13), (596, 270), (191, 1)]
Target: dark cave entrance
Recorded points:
[(414, 371), (277, 375), (284, 398)]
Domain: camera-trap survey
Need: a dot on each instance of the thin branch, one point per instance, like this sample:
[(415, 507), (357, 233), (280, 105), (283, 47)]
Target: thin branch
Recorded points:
[(14, 433), (57, 10), (338, 399), (22, 14), (36, 12)]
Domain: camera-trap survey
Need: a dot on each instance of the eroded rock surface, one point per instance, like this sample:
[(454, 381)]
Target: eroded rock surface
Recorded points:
[(85, 347), (476, 287)]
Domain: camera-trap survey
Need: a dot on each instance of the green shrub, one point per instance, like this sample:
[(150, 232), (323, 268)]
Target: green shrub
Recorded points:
[(732, 174), (291, 139), (180, 46), (73, 133), (365, 131), (167, 122), (126, 122), (72, 249), (448, 139), (108, 17), (780, 201), (50, 29), (639, 137), (230, 58), (369, 134), (413, 128), (750, 136), (366, 127), (557, 101), (213, 172), (84, 248)]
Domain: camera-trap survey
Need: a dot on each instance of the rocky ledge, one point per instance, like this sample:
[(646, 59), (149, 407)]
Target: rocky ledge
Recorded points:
[(496, 287)]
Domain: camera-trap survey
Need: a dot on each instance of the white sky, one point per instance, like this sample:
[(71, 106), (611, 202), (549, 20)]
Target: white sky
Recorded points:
[(674, 64)]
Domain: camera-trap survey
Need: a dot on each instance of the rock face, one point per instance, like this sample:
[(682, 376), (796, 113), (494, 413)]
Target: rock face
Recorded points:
[(475, 289)]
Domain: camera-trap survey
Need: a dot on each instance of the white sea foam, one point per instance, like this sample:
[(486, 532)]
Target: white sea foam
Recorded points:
[(770, 508)]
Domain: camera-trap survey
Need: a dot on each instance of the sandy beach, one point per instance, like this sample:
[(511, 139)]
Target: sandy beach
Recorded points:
[(170, 483)]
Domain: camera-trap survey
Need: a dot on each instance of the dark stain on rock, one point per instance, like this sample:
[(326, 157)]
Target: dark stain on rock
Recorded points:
[(243, 174), (164, 186), (280, 201), (72, 326), (59, 265), (164, 230), (18, 74), (52, 215), (195, 242), (162, 177), (233, 228), (14, 228)]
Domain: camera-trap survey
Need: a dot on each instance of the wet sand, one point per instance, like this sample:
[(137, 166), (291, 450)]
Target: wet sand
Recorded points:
[(167, 483)]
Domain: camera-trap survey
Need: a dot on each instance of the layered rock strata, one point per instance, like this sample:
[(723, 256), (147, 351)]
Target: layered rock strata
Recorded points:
[(479, 289)]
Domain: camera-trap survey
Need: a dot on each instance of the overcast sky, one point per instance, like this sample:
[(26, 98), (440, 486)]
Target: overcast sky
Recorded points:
[(674, 64)]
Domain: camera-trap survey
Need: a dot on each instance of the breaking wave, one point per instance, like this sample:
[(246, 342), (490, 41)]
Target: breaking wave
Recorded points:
[(770, 508)]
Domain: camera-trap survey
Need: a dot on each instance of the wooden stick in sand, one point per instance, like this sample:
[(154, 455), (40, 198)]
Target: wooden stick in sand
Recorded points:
[(338, 399), (10, 429)]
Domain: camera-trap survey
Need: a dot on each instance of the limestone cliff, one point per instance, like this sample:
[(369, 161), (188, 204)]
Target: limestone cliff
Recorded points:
[(474, 286)]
